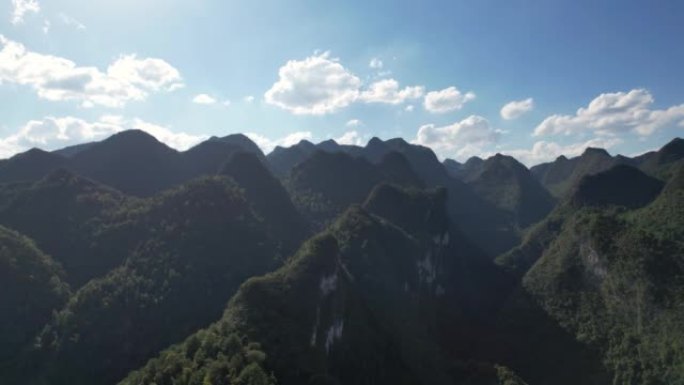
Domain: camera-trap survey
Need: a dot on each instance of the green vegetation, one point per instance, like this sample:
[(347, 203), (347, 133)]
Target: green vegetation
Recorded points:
[(212, 281), (32, 288)]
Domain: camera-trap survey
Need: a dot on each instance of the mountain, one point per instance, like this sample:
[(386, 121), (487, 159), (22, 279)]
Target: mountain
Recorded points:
[(562, 175), (453, 167), (197, 244), (325, 184), (418, 274), (283, 160), (32, 288), (659, 162), (132, 161), (350, 298), (607, 266), (621, 185), (393, 291), (268, 198), (509, 185), (70, 151), (30, 165), (68, 218), (243, 142)]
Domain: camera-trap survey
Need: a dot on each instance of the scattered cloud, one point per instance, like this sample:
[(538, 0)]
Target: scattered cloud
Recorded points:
[(204, 99), (447, 100), (320, 85), (410, 108), (51, 133), (458, 139), (387, 91), (517, 108), (152, 74), (249, 99), (71, 21), (350, 138), (543, 151), (58, 79), (46, 26), (267, 145), (376, 63), (354, 123), (612, 114), (316, 85), (21, 7)]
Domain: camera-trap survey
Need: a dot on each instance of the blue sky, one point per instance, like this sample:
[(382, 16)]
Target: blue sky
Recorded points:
[(438, 73)]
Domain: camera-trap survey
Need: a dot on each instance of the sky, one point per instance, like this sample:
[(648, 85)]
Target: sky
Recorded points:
[(530, 78)]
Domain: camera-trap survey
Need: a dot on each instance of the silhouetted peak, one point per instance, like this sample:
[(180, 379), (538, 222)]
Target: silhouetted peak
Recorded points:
[(473, 161), (305, 143), (36, 153), (594, 151), (416, 211), (674, 148), (622, 185), (328, 145), (245, 162), (375, 141)]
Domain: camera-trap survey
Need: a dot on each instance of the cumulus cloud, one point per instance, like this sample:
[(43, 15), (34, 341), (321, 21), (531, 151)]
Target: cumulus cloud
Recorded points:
[(410, 108), (267, 144), (376, 63), (612, 114), (21, 8), (350, 138), (316, 85), (249, 99), (51, 133), (320, 85), (354, 123), (204, 99), (446, 100), (58, 79), (467, 136), (543, 151), (388, 91), (517, 108)]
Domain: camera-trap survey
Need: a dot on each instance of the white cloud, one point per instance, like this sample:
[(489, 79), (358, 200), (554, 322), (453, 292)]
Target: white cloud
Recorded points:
[(446, 100), (387, 91), (616, 113), (410, 108), (21, 8), (227, 103), (249, 99), (354, 123), (71, 21), (55, 132), (317, 85), (153, 74), (267, 145), (204, 99), (350, 138), (376, 63), (517, 108), (543, 151), (46, 26), (58, 79), (457, 139)]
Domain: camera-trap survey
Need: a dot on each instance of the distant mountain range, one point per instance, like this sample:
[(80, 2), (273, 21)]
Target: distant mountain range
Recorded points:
[(127, 262)]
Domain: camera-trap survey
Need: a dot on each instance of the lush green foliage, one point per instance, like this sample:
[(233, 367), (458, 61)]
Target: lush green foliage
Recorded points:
[(32, 288)]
